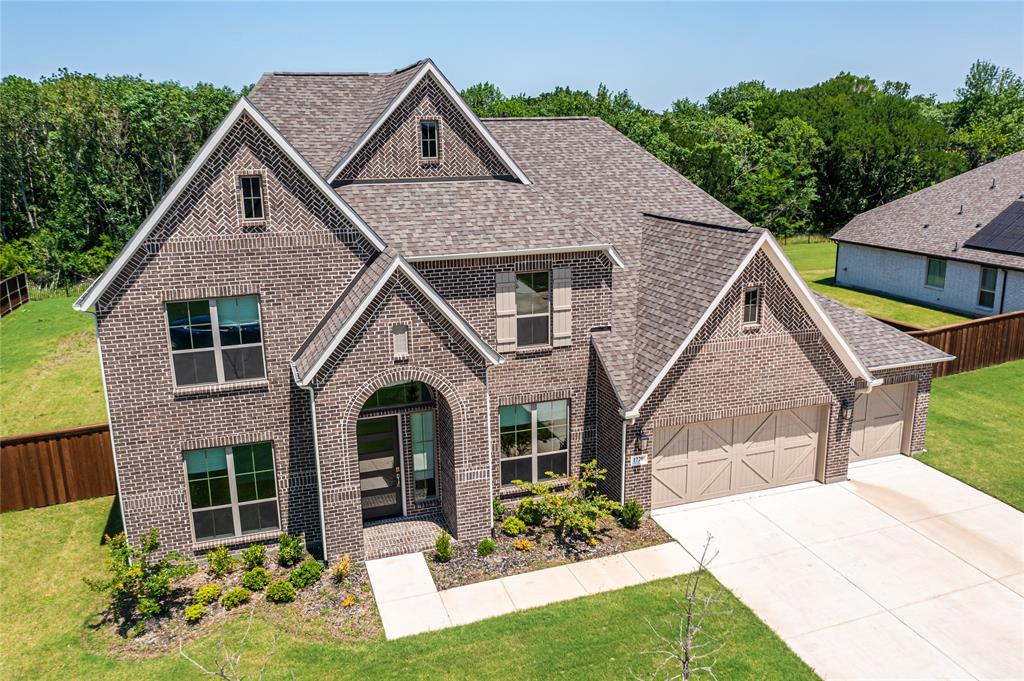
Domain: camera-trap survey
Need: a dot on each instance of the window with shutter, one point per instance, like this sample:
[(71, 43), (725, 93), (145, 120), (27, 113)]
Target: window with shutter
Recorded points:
[(505, 304), (561, 284)]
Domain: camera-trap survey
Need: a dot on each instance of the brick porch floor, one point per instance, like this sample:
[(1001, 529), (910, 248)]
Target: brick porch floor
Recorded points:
[(395, 536)]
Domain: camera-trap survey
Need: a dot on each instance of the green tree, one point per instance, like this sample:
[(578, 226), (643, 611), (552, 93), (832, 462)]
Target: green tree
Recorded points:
[(987, 120)]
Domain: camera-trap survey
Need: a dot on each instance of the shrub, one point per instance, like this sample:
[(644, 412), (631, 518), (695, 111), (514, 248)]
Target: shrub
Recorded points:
[(256, 579), (207, 593), (348, 601), (443, 547), (221, 561), (281, 591), (255, 556), (531, 512), (194, 613), (513, 526), (289, 550), (523, 545), (137, 585), (577, 509), (632, 514), (235, 597), (306, 574), (498, 508), (485, 547), (342, 569)]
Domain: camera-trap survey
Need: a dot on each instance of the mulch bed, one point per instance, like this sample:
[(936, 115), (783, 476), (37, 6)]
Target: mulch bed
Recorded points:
[(316, 612), (466, 567)]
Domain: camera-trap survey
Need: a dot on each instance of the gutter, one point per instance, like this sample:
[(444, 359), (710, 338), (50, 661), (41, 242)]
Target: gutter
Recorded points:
[(316, 458)]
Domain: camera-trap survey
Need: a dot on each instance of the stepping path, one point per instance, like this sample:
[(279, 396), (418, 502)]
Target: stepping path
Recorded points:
[(409, 602)]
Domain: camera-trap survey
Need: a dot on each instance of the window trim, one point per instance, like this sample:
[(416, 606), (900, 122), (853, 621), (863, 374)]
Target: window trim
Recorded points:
[(752, 288), (437, 139), (233, 492), (533, 455), (982, 289), (216, 348), (262, 198), (548, 314), (927, 265)]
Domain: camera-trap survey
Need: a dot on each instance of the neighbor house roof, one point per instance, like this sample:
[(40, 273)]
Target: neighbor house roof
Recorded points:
[(937, 220)]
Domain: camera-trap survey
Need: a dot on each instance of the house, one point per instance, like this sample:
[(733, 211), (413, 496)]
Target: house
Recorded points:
[(957, 245), (361, 303)]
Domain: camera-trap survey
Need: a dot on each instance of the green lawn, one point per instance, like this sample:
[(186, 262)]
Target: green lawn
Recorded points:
[(816, 263), (49, 369), (46, 552), (976, 432)]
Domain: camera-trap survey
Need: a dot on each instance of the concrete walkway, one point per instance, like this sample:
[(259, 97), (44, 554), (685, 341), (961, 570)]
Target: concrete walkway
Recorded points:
[(902, 572), (409, 602)]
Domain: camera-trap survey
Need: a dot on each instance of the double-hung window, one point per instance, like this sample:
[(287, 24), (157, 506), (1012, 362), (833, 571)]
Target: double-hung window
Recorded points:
[(752, 306), (231, 490), (428, 139), (533, 308), (936, 275), (421, 425), (987, 288), (215, 341), (534, 441), (252, 197)]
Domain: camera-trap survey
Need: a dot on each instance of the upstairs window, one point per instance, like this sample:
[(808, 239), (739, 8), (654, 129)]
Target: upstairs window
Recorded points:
[(428, 139), (232, 490), (936, 275), (533, 308), (987, 288), (252, 197), (219, 340), (752, 306)]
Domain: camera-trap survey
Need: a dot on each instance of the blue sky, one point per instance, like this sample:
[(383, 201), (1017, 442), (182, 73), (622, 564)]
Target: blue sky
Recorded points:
[(658, 51)]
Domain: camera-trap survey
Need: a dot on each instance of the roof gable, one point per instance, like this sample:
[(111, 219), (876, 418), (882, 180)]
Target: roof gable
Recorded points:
[(242, 108), (389, 147)]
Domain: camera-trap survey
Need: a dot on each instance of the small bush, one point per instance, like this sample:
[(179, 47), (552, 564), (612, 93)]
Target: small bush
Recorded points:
[(531, 512), (306, 574), (632, 514), (523, 545), (256, 579), (348, 601), (443, 547), (208, 593), (289, 550), (221, 561), (485, 547), (342, 569), (499, 509), (255, 556), (574, 507), (194, 613), (235, 597), (513, 526), (281, 591)]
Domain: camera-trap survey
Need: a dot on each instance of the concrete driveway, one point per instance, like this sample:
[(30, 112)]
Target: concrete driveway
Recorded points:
[(900, 573)]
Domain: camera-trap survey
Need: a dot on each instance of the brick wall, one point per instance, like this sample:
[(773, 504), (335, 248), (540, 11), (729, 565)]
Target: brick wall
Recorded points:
[(297, 261)]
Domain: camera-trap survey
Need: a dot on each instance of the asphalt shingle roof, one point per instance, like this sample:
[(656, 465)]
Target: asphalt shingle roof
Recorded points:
[(954, 211)]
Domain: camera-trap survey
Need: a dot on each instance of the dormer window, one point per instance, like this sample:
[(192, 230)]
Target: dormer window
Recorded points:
[(252, 197), (428, 139), (752, 306)]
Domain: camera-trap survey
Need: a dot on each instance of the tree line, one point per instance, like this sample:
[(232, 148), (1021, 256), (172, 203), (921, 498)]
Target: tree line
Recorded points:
[(83, 159)]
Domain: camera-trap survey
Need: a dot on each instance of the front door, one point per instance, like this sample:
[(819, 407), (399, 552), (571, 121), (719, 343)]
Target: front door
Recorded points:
[(380, 473)]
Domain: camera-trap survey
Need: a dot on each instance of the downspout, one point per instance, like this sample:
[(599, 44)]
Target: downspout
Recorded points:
[(316, 458), (490, 446), (110, 423), (622, 493), (1002, 295)]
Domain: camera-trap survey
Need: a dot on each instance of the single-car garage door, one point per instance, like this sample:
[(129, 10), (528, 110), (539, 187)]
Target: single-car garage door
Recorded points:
[(879, 419), (728, 456)]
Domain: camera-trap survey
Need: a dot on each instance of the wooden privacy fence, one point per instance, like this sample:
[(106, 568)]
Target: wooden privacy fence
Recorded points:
[(13, 293), (977, 343), (42, 469)]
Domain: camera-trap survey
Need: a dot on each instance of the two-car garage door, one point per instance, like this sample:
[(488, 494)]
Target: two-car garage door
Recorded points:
[(728, 456)]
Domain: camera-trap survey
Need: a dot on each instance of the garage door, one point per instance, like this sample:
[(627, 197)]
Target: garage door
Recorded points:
[(728, 456), (878, 422)]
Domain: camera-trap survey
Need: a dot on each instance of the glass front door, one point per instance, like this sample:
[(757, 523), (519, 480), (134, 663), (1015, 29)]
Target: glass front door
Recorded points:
[(380, 473)]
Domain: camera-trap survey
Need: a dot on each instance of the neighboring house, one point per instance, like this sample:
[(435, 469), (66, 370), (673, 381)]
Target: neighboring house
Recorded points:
[(360, 302), (957, 245)]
